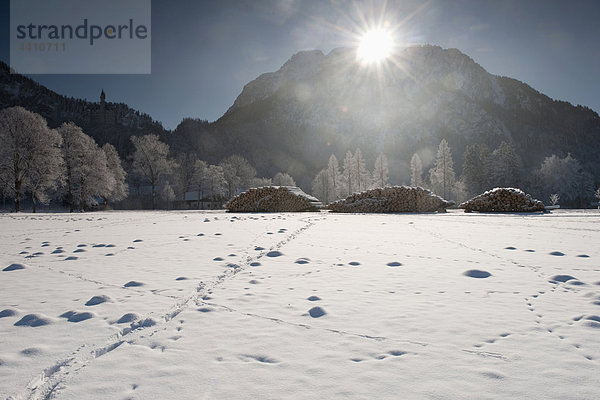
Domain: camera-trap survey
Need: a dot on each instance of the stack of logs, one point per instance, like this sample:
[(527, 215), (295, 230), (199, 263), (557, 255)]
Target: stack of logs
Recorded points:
[(391, 200), (503, 200), (273, 199)]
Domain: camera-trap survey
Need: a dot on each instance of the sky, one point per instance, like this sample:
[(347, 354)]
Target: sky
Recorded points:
[(205, 51)]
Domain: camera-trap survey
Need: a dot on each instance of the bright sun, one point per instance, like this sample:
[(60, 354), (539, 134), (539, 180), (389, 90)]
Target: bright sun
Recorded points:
[(375, 46)]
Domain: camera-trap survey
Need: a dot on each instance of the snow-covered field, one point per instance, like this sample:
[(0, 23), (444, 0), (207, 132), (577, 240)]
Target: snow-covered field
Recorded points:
[(191, 305)]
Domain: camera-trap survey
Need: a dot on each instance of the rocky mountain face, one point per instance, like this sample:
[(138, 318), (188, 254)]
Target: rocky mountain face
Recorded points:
[(104, 121), (316, 104)]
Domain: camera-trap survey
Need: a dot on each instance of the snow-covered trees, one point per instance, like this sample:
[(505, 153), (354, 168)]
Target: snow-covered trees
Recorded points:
[(416, 171), (118, 189), (216, 185), (29, 154), (381, 172), (475, 173), (565, 177), (505, 168), (85, 168), (363, 177), (349, 174), (334, 178), (321, 187), (238, 173), (150, 161), (283, 179), (442, 174)]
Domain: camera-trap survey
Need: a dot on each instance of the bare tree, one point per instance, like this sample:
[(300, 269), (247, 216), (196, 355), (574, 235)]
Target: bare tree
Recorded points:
[(150, 161), (349, 173), (416, 171), (238, 173), (26, 146), (46, 172), (334, 178), (320, 186), (381, 171), (283, 179), (216, 183), (442, 174), (185, 172), (119, 189)]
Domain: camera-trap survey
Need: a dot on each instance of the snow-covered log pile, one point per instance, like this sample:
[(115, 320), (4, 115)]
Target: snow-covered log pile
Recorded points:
[(391, 200), (273, 199), (503, 200)]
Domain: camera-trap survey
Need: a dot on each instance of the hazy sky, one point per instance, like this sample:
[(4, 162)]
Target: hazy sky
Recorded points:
[(204, 52)]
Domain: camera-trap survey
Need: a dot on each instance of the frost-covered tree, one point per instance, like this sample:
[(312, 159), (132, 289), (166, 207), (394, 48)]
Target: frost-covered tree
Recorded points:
[(320, 187), (476, 174), (216, 185), (416, 171), (118, 190), (184, 172), (46, 171), (86, 172), (238, 173), (363, 177), (505, 167), (334, 178), (554, 198), (150, 161), (381, 171), (29, 154), (349, 173), (442, 174), (260, 182), (283, 179), (565, 177), (200, 179)]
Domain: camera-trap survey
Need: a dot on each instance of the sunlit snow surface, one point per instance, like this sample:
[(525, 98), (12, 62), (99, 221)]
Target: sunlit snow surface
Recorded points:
[(192, 305)]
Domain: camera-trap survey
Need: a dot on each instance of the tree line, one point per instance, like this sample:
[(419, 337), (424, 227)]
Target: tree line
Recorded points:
[(560, 177), (67, 165)]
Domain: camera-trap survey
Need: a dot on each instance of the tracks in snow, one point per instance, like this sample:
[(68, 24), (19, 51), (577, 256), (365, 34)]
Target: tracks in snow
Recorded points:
[(51, 380)]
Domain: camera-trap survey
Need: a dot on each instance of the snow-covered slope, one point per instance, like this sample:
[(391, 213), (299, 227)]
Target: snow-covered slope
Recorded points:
[(303, 306)]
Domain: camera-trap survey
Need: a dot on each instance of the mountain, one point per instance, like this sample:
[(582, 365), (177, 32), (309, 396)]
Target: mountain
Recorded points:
[(104, 121), (291, 120)]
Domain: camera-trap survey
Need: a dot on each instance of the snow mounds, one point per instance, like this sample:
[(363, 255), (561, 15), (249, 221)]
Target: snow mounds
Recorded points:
[(273, 199), (391, 200), (503, 200)]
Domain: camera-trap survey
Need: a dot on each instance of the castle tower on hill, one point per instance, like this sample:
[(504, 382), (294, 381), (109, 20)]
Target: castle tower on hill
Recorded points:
[(104, 113)]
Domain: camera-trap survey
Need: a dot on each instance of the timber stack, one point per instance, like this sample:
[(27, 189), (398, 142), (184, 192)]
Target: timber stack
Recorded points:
[(273, 199), (503, 200), (393, 199)]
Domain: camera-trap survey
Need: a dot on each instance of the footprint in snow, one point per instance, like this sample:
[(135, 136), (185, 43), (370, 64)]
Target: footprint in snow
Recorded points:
[(128, 318), (74, 316), (137, 241), (218, 259), (354, 263), (313, 298), (255, 264), (557, 253), (14, 267), (258, 248), (79, 251), (561, 278), (583, 256), (94, 301), (206, 309), (510, 248), (71, 258), (33, 320), (274, 253), (476, 273), (316, 312), (181, 278), (394, 264), (8, 313), (133, 284), (302, 260)]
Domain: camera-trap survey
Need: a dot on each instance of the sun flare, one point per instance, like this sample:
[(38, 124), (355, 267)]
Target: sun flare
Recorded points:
[(375, 46)]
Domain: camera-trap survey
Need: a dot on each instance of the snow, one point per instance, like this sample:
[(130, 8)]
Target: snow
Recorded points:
[(311, 305)]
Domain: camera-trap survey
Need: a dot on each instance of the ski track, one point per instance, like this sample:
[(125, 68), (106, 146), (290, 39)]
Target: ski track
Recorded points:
[(52, 379)]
